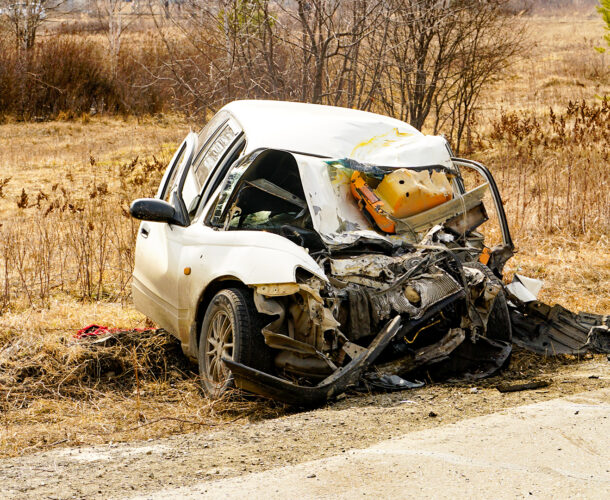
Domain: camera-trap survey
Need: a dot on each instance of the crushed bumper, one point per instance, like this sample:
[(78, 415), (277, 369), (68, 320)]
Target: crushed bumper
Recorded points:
[(264, 384), (552, 330)]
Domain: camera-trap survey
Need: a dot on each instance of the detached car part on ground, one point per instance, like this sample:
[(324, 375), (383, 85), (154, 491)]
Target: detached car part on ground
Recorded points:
[(297, 250)]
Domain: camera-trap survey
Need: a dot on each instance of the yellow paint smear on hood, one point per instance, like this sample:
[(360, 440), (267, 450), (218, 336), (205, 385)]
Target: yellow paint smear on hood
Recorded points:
[(379, 141)]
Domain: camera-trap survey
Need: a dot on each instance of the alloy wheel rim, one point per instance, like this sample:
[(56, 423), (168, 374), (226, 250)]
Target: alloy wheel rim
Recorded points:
[(219, 345)]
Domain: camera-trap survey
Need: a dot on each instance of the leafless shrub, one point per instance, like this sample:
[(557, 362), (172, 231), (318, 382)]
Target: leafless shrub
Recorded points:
[(553, 168), (69, 76), (78, 242)]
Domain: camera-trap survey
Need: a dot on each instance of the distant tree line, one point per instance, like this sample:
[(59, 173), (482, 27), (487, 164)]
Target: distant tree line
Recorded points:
[(422, 61)]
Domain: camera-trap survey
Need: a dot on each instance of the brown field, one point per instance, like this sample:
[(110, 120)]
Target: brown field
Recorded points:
[(65, 253)]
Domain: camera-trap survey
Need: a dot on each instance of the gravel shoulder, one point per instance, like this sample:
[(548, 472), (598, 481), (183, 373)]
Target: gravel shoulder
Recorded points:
[(558, 448), (239, 449)]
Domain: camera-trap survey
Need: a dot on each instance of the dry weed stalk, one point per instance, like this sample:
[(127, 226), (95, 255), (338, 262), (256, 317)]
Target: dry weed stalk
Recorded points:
[(553, 168), (73, 242)]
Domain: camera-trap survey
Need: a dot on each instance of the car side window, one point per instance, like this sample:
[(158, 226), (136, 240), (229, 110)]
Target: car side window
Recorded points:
[(216, 215), (216, 145)]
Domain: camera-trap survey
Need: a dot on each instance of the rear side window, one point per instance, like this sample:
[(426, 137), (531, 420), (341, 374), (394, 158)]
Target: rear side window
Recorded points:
[(218, 137), (214, 152), (211, 152)]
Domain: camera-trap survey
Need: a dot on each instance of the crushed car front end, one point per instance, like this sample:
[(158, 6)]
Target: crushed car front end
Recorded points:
[(392, 303)]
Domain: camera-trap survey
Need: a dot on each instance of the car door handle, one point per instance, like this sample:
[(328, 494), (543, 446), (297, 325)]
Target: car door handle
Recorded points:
[(145, 230)]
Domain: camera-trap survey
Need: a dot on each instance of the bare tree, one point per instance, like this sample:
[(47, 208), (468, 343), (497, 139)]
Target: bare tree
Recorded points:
[(115, 16), (413, 59), (24, 17), (332, 37), (441, 54), (304, 50), (493, 39)]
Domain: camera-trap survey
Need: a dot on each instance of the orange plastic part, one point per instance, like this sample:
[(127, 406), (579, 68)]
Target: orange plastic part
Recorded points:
[(485, 256), (408, 192), (371, 203)]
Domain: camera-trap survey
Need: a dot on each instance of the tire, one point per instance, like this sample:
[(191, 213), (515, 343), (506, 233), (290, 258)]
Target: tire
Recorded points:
[(231, 328), (498, 324)]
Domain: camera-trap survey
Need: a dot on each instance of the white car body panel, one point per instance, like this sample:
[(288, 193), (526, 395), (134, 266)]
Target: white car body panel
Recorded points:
[(251, 257)]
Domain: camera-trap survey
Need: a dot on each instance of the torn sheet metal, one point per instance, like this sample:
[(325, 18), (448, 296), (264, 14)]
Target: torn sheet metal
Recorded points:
[(525, 289), (433, 353), (341, 223), (374, 266), (552, 330), (476, 358)]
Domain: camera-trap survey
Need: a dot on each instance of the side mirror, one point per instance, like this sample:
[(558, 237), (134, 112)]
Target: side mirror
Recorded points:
[(154, 210)]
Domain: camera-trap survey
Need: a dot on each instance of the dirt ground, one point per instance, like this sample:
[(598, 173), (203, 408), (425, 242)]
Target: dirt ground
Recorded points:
[(241, 447)]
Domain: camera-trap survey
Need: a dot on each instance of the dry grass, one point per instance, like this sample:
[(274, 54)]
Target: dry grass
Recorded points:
[(56, 391), (562, 65), (59, 390), (65, 229), (35, 156), (556, 189)]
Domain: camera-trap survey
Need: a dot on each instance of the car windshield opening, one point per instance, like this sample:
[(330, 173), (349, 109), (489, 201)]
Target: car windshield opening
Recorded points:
[(269, 197), (354, 203)]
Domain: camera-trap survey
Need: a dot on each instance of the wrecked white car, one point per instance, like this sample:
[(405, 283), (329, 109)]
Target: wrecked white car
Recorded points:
[(297, 249)]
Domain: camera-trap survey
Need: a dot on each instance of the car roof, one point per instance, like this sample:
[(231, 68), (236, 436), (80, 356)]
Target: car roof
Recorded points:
[(336, 133)]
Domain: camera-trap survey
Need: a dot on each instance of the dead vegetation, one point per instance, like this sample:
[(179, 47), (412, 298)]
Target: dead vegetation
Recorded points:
[(74, 241), (39, 365), (430, 62), (59, 389), (552, 167)]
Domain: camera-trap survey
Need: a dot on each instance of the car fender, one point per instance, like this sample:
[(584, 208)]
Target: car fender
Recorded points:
[(250, 257)]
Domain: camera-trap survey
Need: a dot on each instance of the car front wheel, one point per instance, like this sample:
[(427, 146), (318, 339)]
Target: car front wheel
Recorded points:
[(231, 329)]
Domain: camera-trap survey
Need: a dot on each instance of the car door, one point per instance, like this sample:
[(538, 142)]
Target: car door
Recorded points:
[(154, 278), (160, 269)]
